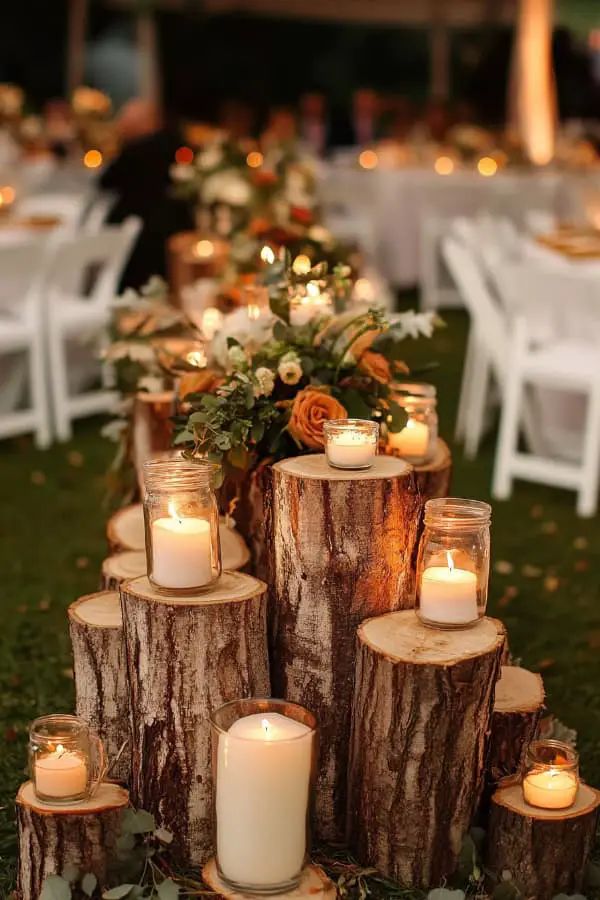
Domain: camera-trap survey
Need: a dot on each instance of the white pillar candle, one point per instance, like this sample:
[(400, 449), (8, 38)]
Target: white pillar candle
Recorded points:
[(550, 789), (61, 774), (351, 449), (412, 440), (448, 595), (181, 551), (263, 786)]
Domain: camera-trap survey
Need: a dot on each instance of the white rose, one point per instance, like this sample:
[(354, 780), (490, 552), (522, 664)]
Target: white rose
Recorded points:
[(154, 384), (319, 234), (290, 372), (181, 173), (210, 157), (226, 187), (237, 357), (265, 382)]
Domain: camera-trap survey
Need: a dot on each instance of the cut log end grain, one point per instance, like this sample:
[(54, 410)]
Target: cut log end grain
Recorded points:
[(546, 851), (314, 883), (518, 691), (341, 545), (420, 719), (433, 478), (52, 837), (231, 587), (121, 566)]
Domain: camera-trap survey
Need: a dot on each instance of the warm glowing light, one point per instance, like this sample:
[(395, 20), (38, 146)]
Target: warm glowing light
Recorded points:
[(487, 166), (267, 255), (535, 90), (266, 727), (204, 249), (253, 311), (448, 554), (302, 264), (7, 195), (92, 159), (364, 290), (196, 358), (212, 320), (368, 159), (313, 289), (254, 159), (444, 165), (60, 749), (184, 156), (173, 511)]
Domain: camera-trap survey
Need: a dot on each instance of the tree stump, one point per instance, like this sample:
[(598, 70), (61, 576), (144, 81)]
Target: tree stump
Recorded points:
[(125, 531), (101, 691), (546, 851), (51, 837), (120, 566), (341, 545), (151, 428), (185, 658), (433, 478), (314, 884), (518, 705), (422, 708)]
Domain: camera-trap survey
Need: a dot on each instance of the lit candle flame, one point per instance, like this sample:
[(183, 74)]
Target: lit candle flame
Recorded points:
[(253, 311), (302, 264), (266, 727), (312, 289), (173, 511), (204, 249), (59, 750), (267, 255), (450, 561), (197, 358)]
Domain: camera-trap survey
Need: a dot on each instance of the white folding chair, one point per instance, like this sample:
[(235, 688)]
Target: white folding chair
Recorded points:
[(22, 350), (67, 207), (97, 212), (346, 209), (74, 313)]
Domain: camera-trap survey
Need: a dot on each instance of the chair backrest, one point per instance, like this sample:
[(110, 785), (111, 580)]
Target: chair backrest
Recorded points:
[(97, 212), (22, 270), (488, 319), (67, 207), (91, 265)]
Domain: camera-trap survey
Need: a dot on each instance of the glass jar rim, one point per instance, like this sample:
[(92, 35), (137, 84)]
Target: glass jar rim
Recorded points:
[(457, 512), (535, 748), (415, 401), (421, 389), (76, 726), (366, 424), (179, 473), (305, 716)]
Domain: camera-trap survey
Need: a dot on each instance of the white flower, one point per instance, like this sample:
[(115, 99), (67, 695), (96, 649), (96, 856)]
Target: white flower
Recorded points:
[(134, 350), (181, 173), (320, 234), (290, 371), (210, 157), (412, 324), (296, 190), (226, 187), (114, 429), (155, 287), (250, 333), (237, 357), (265, 382), (154, 384)]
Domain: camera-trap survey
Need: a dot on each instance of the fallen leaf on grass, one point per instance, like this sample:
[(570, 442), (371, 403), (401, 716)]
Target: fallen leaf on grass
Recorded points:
[(75, 459), (549, 528), (68, 673), (537, 511), (551, 583), (82, 562), (546, 663), (581, 543), (10, 735), (529, 571), (504, 601), (582, 565), (503, 567), (44, 604), (594, 640), (38, 477), (14, 680), (512, 591), (21, 608)]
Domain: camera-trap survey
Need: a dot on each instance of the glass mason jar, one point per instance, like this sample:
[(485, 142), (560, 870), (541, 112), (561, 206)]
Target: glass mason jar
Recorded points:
[(416, 442), (453, 563), (66, 759), (264, 758), (551, 776), (181, 519), (351, 443), (309, 305)]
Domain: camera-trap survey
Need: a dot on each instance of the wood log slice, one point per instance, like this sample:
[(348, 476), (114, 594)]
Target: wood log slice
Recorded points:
[(433, 478), (546, 851), (185, 658), (422, 708), (151, 428), (341, 547), (51, 837), (314, 883), (518, 706), (101, 691), (120, 566), (125, 531)]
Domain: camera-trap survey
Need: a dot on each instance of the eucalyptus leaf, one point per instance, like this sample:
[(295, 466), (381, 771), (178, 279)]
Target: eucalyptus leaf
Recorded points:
[(569, 897), (445, 894), (123, 890), (140, 822), (168, 890), (55, 888), (70, 873), (184, 437), (125, 842), (163, 835), (506, 890), (89, 883)]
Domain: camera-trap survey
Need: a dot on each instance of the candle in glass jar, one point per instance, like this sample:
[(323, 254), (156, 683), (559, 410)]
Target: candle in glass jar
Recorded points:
[(61, 774), (550, 789), (351, 449), (181, 551), (412, 440), (448, 595), (314, 303), (262, 795)]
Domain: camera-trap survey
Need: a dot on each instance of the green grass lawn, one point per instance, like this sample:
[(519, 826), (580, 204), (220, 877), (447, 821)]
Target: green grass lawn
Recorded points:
[(52, 542)]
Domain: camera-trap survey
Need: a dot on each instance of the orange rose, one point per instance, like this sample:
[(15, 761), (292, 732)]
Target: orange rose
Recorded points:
[(364, 342), (375, 366), (311, 408), (204, 382)]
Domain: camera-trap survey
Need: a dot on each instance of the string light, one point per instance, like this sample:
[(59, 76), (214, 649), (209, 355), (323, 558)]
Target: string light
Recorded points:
[(254, 159), (92, 159), (368, 159), (444, 165), (487, 166)]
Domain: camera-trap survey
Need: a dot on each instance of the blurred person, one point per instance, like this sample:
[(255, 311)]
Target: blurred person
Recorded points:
[(433, 123), (281, 127), (313, 125), (362, 125), (237, 119), (401, 119), (139, 176), (59, 127)]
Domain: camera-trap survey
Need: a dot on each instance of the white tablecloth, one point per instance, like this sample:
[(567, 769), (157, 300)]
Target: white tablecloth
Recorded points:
[(395, 202)]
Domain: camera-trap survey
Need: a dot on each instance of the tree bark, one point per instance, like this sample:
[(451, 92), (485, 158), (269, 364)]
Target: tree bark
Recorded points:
[(546, 851), (314, 884), (252, 517), (52, 837), (518, 705), (101, 691), (420, 718), (152, 428), (125, 531), (341, 544), (185, 658), (120, 566)]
